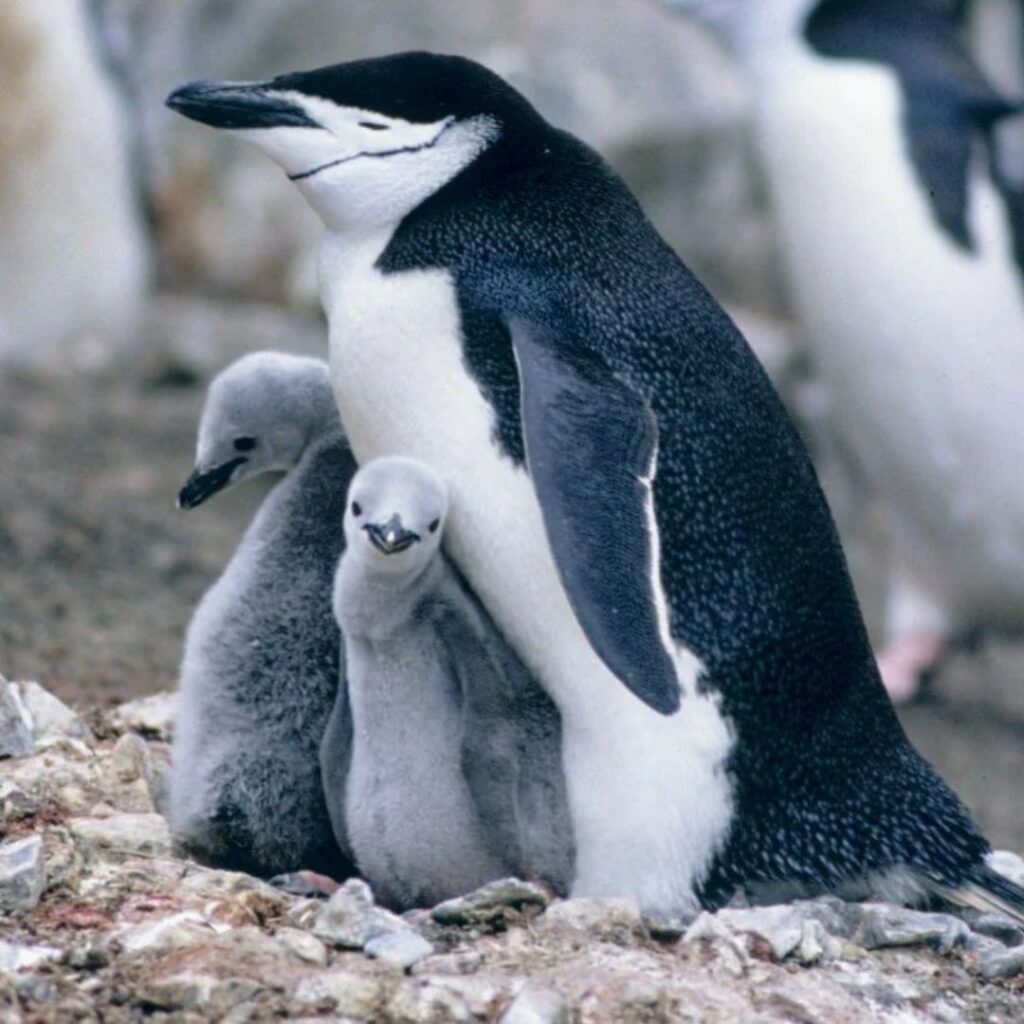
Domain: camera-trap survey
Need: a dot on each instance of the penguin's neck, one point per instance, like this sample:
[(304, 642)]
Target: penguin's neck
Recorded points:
[(375, 606)]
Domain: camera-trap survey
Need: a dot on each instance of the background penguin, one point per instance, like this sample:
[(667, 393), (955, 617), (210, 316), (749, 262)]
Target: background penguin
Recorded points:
[(904, 240), (73, 252), (628, 497), (262, 653), (441, 762)]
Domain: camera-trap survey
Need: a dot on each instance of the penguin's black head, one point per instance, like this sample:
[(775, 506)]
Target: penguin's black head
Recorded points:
[(369, 140)]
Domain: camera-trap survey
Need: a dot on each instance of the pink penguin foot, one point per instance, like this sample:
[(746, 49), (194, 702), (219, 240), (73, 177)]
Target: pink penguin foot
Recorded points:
[(903, 662)]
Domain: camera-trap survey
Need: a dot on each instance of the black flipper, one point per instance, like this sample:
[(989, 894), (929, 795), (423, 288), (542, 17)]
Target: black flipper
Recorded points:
[(335, 759), (591, 449), (950, 107)]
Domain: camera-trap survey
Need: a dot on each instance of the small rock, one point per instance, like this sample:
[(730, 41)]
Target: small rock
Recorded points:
[(884, 925), (465, 961), (616, 920), (447, 999), (536, 1005), (187, 990), (350, 918), (15, 725), (302, 945), (50, 718), (1002, 963), (15, 803), (400, 948), (353, 995), (151, 716), (710, 928), (666, 927), (16, 957), (175, 932), (22, 874), (491, 903), (996, 926), (146, 834)]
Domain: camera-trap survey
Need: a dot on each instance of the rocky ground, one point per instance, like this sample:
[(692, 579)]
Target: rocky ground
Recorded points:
[(100, 920)]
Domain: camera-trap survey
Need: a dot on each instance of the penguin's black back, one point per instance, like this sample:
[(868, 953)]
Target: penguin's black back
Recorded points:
[(540, 228)]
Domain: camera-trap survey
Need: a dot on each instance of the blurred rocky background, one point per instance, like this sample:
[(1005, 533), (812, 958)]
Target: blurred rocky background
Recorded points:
[(140, 253)]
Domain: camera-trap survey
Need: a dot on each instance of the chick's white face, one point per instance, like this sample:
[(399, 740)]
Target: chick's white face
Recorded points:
[(395, 516), (362, 169)]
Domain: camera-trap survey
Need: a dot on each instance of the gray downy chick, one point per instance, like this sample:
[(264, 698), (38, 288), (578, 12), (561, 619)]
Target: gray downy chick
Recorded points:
[(450, 774), (262, 653)]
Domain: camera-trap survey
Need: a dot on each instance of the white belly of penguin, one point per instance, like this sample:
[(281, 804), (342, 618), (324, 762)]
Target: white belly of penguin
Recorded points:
[(648, 794), (920, 342)]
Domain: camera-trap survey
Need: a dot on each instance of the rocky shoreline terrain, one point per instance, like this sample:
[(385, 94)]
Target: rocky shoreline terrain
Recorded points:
[(101, 920)]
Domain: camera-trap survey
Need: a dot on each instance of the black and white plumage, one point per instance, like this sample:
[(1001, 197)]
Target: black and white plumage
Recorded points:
[(442, 763), (262, 654), (589, 404), (903, 235)]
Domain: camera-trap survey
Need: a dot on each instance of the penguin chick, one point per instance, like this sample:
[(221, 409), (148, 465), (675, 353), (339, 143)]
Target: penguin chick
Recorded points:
[(262, 652), (450, 775)]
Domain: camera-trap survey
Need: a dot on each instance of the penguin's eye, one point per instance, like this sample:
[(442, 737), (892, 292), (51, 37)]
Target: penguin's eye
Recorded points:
[(245, 444), (374, 126), (357, 509), (434, 525)]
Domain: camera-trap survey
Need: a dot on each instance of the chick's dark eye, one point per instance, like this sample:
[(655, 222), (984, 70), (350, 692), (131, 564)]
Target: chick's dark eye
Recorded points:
[(374, 126), (245, 444), (357, 509), (434, 525)]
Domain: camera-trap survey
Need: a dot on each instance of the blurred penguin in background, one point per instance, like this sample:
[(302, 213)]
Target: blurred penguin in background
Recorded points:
[(902, 227), (73, 256)]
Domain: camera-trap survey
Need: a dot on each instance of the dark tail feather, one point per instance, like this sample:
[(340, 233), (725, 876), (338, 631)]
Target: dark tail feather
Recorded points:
[(985, 890)]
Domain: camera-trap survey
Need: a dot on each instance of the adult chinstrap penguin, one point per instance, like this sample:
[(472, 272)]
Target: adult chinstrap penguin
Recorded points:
[(442, 764), (263, 654), (903, 233), (628, 498)]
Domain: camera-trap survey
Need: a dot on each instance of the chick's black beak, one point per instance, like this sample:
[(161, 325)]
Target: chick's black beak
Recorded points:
[(238, 105), (200, 486), (391, 537)]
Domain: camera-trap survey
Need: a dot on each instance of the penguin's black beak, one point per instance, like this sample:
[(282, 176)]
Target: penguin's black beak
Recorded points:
[(200, 486), (391, 537), (238, 105)]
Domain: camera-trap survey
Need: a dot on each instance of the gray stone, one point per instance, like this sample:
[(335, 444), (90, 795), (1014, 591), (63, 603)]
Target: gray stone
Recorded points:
[(352, 994), (350, 918), (151, 716), (15, 725), (22, 874), (15, 803), (884, 925), (14, 956), (421, 1000), (465, 961), (302, 945), (535, 1005), (995, 926), (145, 834), (1002, 963), (616, 920), (492, 903), (403, 948), (188, 990), (178, 931), (50, 718), (666, 927)]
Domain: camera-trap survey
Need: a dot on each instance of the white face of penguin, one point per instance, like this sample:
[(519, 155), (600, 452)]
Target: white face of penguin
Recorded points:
[(358, 168)]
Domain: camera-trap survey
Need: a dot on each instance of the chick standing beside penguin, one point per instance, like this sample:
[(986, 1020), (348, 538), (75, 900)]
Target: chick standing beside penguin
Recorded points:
[(262, 653), (442, 763)]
